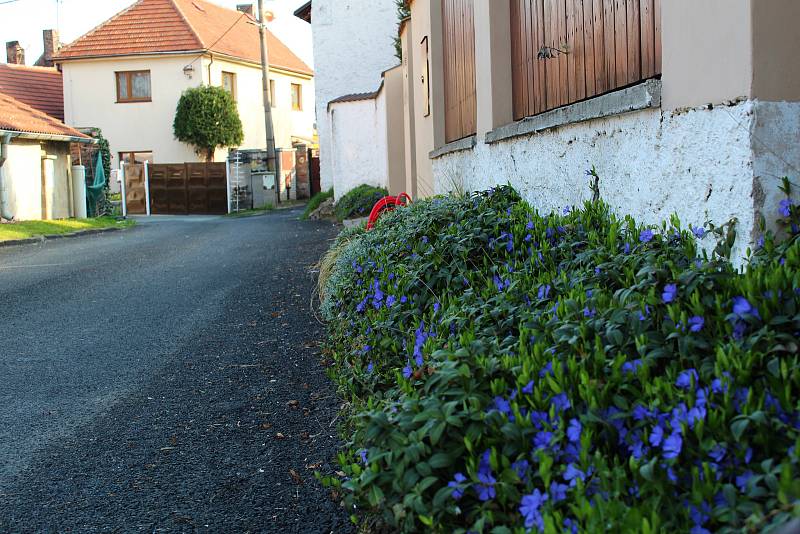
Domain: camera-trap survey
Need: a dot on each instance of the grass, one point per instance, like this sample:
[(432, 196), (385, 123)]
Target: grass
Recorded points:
[(315, 201), (28, 229)]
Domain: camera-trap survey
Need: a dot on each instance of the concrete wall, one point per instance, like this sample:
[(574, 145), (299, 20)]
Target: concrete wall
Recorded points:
[(395, 130), (90, 100), (353, 45), (358, 140), (22, 174)]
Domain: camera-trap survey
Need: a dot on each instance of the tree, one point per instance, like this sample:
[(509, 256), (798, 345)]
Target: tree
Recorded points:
[(207, 118)]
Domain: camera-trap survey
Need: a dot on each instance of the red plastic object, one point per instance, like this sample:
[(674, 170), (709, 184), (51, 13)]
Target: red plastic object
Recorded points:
[(386, 204)]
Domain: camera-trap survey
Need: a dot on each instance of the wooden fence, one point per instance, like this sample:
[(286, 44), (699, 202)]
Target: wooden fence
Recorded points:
[(458, 27), (564, 51)]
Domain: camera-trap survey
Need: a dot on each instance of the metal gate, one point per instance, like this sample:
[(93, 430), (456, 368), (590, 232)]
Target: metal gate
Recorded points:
[(188, 189)]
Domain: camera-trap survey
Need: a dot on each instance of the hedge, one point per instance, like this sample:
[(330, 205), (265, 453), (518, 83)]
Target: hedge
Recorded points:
[(358, 202), (509, 371)]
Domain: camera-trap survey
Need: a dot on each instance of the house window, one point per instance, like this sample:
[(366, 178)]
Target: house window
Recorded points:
[(133, 86), (297, 97), (130, 158), (229, 83), (272, 93)]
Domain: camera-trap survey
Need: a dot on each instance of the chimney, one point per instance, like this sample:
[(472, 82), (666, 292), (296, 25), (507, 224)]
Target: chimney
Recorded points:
[(246, 8), (51, 46), (14, 53)]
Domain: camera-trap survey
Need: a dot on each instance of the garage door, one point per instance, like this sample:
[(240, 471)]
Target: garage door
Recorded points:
[(188, 189)]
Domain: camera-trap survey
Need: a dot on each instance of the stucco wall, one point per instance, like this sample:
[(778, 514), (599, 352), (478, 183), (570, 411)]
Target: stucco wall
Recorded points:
[(22, 174), (353, 45), (358, 130), (701, 164), (395, 130)]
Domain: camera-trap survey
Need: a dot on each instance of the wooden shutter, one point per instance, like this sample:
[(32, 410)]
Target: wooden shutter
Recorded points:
[(564, 51), (459, 69)]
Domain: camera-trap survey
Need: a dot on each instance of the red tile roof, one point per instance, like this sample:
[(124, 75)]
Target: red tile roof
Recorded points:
[(39, 87), (154, 26), (17, 116)]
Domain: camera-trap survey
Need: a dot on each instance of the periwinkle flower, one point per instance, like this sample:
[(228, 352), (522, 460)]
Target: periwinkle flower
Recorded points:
[(457, 485), (561, 402), (370, 368), (684, 380), (436, 307), (558, 492), (699, 233), (390, 301), (656, 436), (646, 236), (742, 480), (574, 431), (542, 440), (572, 474), (669, 294), (632, 366), (521, 467), (673, 445), (529, 508), (627, 248), (363, 454), (528, 389), (407, 371), (743, 308), (717, 453), (589, 313), (403, 299), (785, 207), (696, 323)]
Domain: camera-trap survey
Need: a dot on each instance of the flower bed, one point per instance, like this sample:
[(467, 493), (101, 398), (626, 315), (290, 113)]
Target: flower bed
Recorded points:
[(570, 372), (358, 201)]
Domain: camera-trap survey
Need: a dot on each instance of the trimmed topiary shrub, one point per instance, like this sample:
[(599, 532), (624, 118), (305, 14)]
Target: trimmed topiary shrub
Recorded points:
[(509, 371), (207, 117), (315, 201), (358, 202)]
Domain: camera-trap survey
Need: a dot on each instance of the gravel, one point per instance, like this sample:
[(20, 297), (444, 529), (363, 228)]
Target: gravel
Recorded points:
[(167, 379)]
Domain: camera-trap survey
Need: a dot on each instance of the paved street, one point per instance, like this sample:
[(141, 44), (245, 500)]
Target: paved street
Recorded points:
[(166, 378)]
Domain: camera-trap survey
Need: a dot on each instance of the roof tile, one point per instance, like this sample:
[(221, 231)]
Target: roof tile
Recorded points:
[(20, 117), (40, 87)]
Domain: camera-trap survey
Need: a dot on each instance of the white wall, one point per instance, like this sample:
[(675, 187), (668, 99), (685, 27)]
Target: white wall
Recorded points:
[(90, 101), (353, 45), (357, 129), (22, 174), (701, 164)]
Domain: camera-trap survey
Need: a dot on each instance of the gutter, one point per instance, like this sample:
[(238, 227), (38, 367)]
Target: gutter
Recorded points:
[(5, 139), (48, 137)]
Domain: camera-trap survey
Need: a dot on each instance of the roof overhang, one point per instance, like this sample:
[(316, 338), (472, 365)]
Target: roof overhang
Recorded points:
[(304, 12), (48, 137)]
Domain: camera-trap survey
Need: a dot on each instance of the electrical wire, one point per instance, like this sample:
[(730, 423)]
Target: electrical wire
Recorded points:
[(209, 47)]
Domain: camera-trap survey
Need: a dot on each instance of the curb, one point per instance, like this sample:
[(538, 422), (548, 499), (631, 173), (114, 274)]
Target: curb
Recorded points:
[(43, 238)]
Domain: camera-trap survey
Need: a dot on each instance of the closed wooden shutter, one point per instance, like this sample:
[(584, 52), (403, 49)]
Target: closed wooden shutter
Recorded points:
[(565, 51), (459, 69)]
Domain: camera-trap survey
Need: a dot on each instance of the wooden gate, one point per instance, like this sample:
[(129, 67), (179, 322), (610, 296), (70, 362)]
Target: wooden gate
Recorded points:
[(460, 102), (135, 193), (188, 189), (564, 51)]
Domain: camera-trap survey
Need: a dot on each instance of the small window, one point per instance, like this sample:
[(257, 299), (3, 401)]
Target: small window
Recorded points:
[(133, 86), (138, 158), (272, 93), (297, 97), (229, 83)]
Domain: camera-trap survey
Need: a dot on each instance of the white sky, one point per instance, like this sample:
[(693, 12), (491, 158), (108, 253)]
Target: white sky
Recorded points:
[(24, 20)]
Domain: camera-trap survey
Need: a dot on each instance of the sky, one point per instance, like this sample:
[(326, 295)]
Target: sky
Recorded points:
[(24, 20)]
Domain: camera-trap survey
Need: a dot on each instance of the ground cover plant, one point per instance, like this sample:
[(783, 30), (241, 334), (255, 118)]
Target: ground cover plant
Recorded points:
[(315, 201), (511, 372), (358, 202)]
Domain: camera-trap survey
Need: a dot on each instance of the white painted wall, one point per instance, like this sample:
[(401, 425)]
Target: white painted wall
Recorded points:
[(353, 45), (90, 101), (357, 130), (22, 174), (701, 164)]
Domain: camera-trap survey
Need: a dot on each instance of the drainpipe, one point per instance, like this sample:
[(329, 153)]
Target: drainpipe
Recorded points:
[(209, 68), (5, 212)]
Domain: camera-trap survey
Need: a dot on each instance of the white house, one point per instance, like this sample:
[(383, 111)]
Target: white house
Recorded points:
[(353, 46), (127, 75)]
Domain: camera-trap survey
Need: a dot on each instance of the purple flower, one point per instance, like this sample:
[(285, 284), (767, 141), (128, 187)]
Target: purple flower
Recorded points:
[(561, 402), (632, 366), (669, 294), (502, 405), (699, 233), (684, 380), (542, 440), (672, 446), (436, 307), (589, 313), (456, 484), (558, 492), (529, 508), (646, 236), (656, 436), (403, 299), (785, 207), (748, 455), (574, 431), (370, 368), (742, 307), (528, 389), (407, 371), (696, 323), (390, 300), (485, 492), (741, 480), (544, 291), (717, 453), (572, 474), (486, 488), (640, 413), (717, 386), (363, 453), (546, 370), (521, 467), (627, 248)]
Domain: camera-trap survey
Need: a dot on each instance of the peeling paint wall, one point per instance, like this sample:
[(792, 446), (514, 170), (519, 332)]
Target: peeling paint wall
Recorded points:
[(358, 130), (353, 45), (700, 164)]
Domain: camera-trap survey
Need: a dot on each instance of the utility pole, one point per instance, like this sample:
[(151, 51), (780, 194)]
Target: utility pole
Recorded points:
[(271, 160)]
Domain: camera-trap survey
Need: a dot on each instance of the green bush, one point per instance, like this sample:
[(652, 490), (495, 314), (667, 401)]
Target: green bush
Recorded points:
[(207, 117), (509, 371), (358, 202), (315, 201)]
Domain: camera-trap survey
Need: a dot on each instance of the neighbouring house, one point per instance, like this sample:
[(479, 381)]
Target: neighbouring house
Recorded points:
[(683, 107), (127, 75), (35, 163), (353, 46)]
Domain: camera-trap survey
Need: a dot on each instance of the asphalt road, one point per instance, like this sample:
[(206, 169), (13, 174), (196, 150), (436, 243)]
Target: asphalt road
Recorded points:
[(166, 378)]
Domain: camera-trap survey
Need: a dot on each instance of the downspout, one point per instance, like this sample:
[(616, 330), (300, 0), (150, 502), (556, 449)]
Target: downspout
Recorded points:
[(5, 212), (209, 67)]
